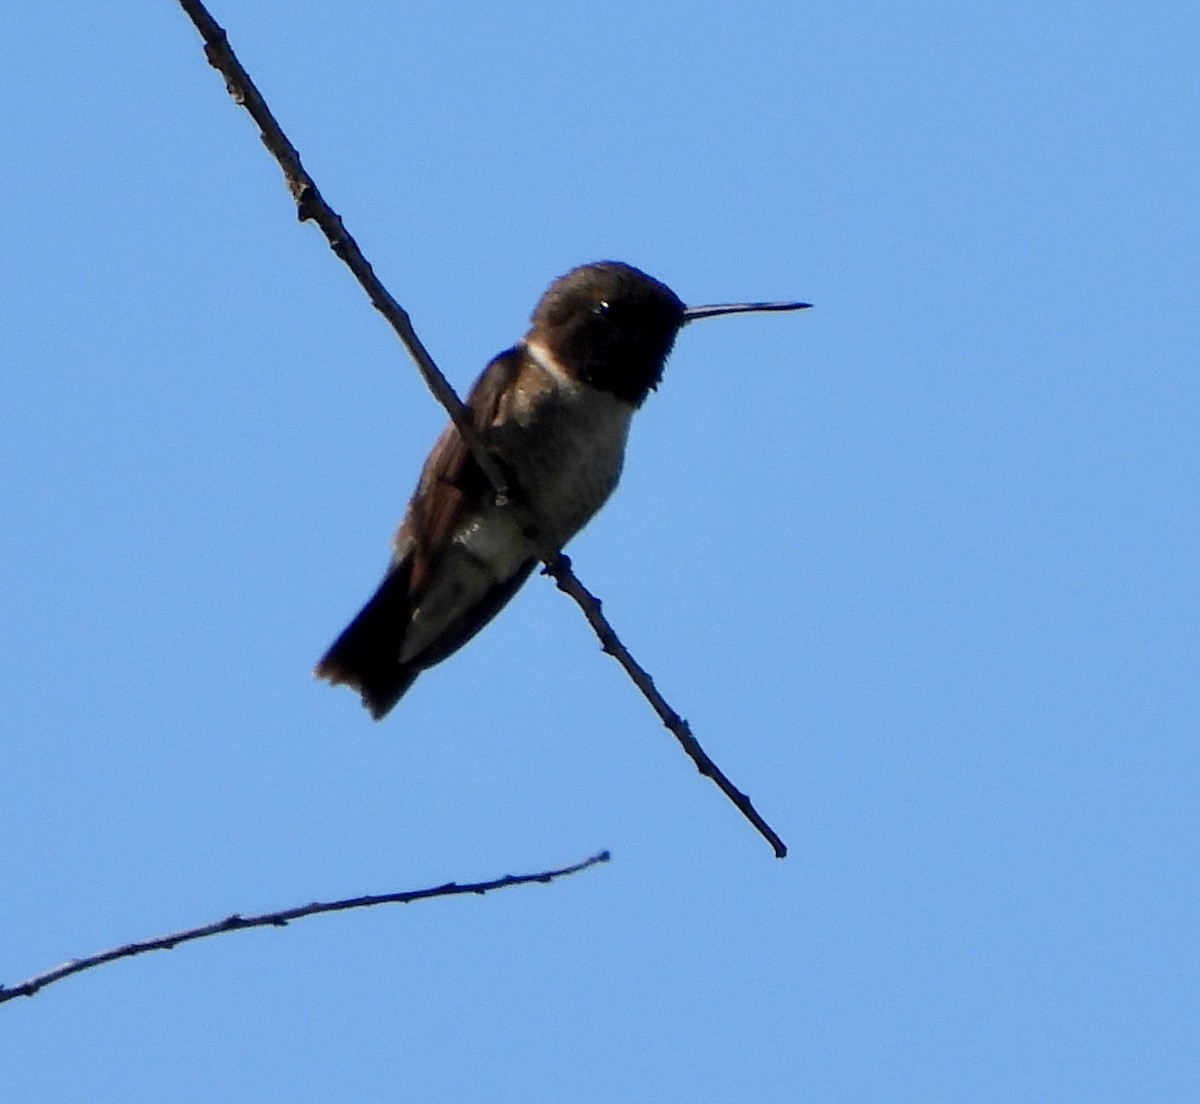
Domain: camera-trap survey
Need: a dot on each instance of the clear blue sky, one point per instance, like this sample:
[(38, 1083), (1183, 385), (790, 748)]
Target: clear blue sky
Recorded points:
[(920, 566)]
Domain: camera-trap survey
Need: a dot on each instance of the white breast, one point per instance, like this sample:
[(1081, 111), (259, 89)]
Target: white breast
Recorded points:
[(567, 447)]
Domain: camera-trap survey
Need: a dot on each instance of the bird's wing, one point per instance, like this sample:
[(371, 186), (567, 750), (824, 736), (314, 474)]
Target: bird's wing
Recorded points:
[(451, 481), (367, 653)]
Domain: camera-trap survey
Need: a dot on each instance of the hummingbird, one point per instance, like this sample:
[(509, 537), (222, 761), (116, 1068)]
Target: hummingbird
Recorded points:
[(554, 412)]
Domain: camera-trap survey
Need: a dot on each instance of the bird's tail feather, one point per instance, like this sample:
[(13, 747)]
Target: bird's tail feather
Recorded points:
[(367, 654)]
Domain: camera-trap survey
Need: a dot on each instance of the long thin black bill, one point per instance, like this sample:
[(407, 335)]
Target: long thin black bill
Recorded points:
[(690, 314)]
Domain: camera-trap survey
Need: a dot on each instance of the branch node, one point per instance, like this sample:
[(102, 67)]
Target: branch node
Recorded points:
[(307, 202)]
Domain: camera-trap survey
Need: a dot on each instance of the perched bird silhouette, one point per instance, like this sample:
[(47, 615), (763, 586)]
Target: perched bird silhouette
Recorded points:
[(554, 411)]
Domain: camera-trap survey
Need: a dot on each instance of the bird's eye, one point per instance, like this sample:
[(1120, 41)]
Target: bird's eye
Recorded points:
[(602, 309)]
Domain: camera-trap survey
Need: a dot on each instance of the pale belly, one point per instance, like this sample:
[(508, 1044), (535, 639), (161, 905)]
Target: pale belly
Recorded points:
[(568, 462), (567, 465)]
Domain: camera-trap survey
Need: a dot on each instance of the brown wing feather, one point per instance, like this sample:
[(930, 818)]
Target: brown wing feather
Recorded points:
[(366, 655), (451, 480)]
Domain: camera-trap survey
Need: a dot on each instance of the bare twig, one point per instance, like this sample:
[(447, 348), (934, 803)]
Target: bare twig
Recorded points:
[(311, 205), (560, 568), (284, 917)]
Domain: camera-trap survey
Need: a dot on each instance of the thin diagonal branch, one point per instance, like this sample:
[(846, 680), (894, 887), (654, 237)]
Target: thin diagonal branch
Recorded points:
[(284, 917), (560, 568), (311, 205)]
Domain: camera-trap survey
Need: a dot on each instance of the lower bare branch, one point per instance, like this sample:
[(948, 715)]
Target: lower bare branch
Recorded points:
[(284, 917)]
